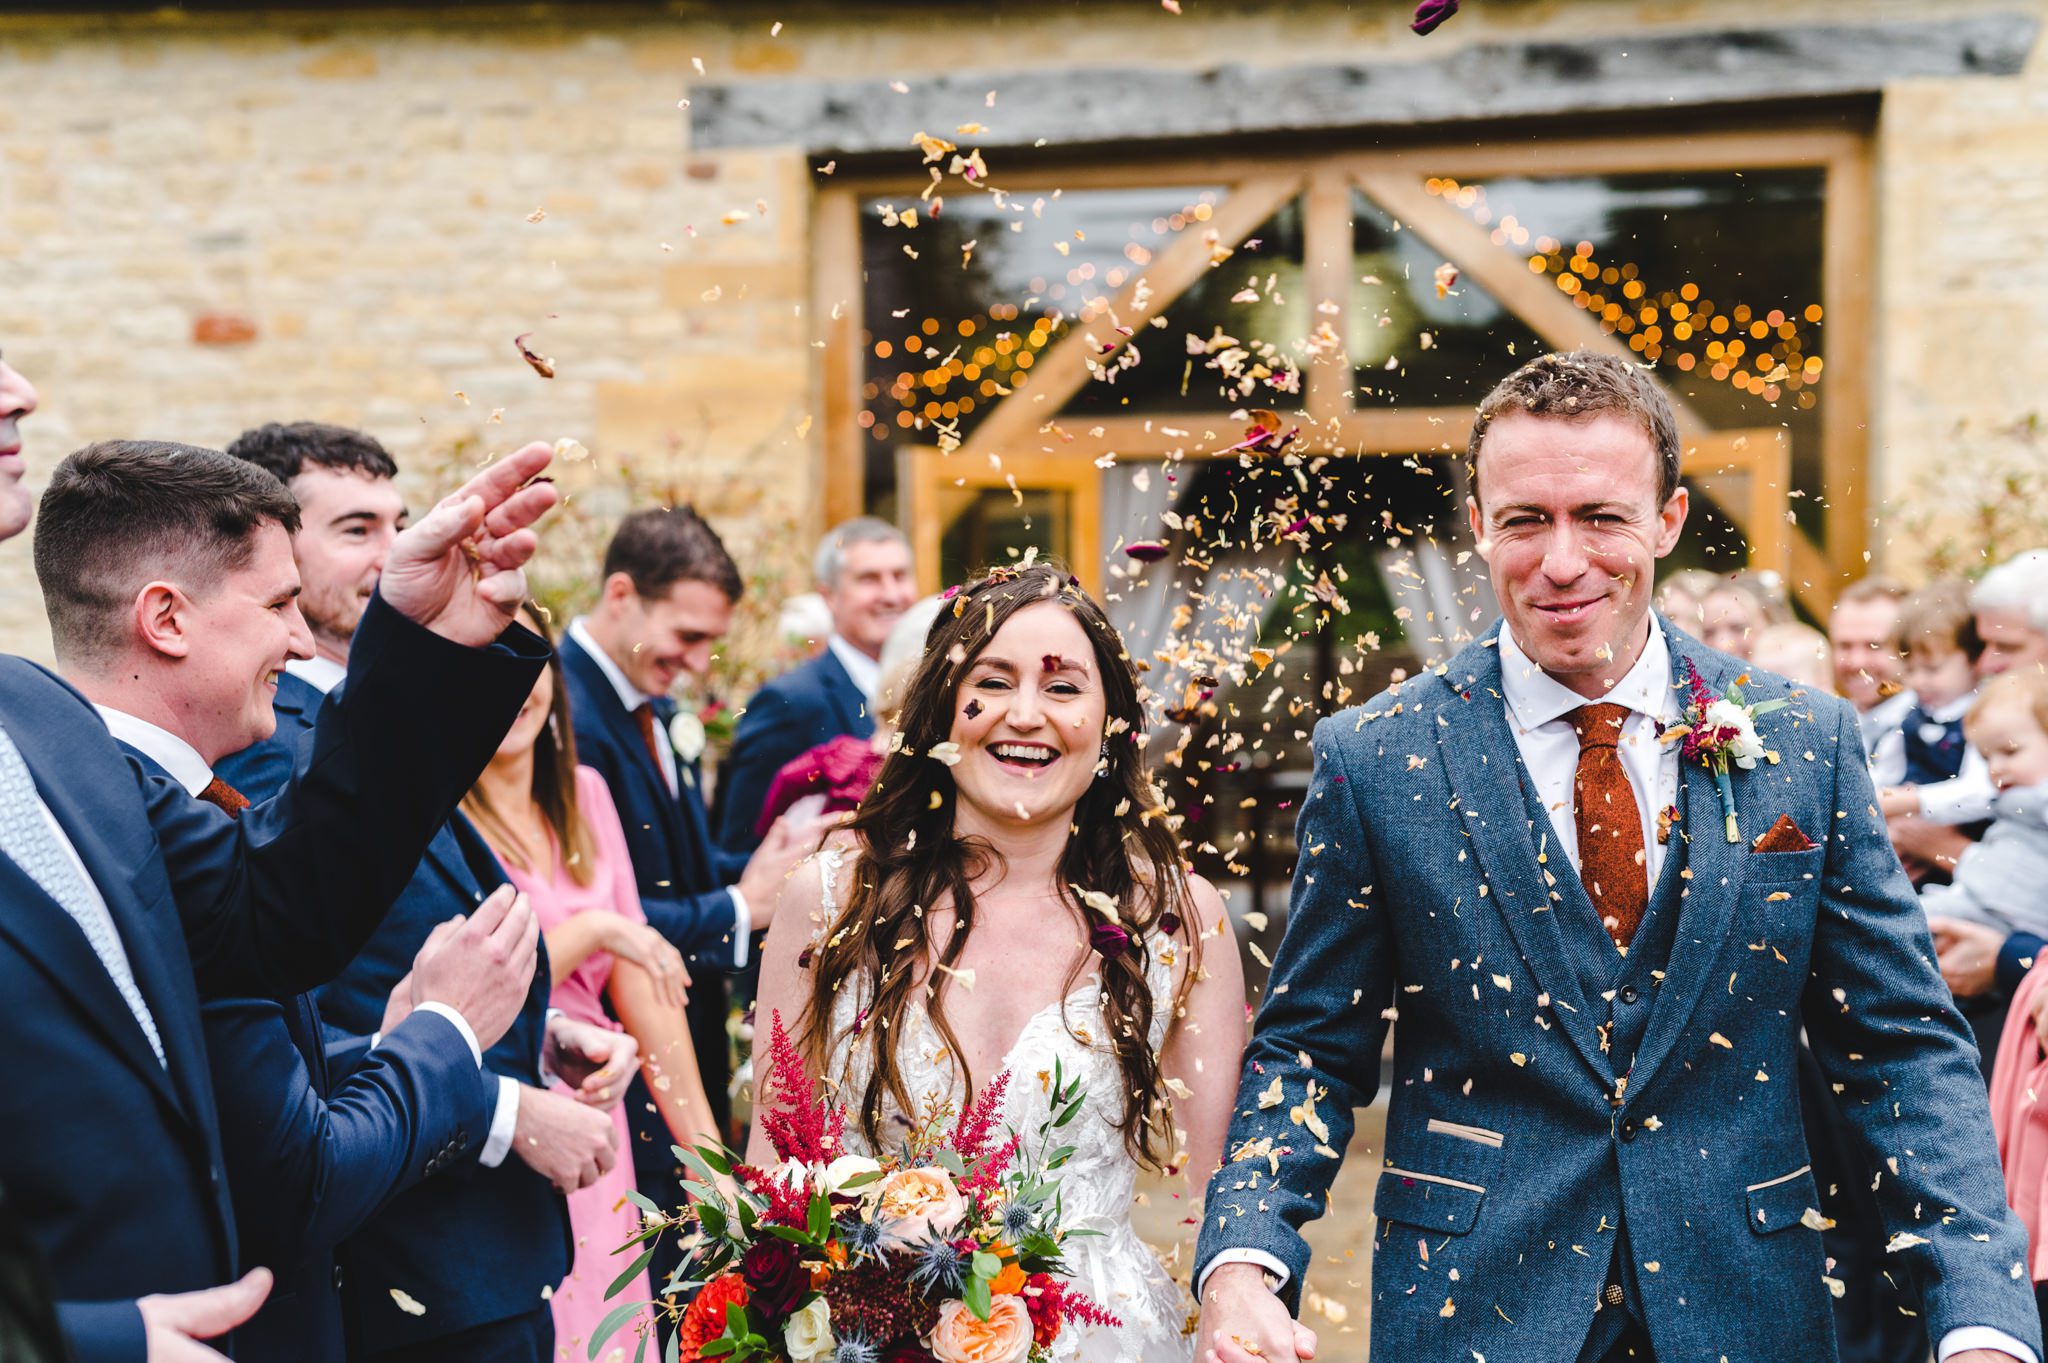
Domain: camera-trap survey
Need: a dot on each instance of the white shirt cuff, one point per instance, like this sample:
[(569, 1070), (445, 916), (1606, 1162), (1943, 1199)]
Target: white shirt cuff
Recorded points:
[(742, 928), (1981, 1337), (476, 1052), (499, 1143), (1263, 1260)]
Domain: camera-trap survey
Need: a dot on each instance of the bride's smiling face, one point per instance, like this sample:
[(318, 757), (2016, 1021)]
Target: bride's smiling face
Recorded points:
[(1028, 719)]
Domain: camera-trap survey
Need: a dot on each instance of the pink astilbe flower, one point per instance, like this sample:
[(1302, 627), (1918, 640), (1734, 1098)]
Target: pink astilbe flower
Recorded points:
[(978, 1119), (983, 1182), (1078, 1306), (804, 1128)]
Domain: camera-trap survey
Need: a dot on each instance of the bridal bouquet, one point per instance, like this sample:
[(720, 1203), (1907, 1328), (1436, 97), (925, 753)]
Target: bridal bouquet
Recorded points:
[(945, 1251)]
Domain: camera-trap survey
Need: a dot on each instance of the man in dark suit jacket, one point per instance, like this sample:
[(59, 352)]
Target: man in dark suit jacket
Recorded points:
[(126, 899), (485, 1240), (667, 598), (864, 574), (312, 1148)]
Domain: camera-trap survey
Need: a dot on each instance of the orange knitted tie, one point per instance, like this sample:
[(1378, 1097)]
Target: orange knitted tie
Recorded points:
[(1612, 864), (223, 796), (645, 717)]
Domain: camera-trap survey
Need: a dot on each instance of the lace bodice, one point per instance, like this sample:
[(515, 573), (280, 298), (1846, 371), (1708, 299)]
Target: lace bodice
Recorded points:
[(1116, 1268)]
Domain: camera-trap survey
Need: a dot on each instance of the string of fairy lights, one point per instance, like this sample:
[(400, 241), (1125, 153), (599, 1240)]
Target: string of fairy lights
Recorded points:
[(1767, 354), (949, 370)]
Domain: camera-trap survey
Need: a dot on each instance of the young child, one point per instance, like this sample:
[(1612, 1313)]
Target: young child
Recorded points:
[(1928, 767), (1999, 881)]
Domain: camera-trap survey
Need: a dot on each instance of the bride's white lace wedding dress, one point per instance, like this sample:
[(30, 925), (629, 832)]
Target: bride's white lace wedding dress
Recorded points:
[(1116, 1268)]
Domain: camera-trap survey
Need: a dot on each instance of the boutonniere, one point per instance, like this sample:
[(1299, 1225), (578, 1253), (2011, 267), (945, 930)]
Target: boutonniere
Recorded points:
[(686, 736), (1720, 731)]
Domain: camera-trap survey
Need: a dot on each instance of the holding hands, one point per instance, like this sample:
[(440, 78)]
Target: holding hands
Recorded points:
[(460, 569), (594, 1061), (1244, 1321)]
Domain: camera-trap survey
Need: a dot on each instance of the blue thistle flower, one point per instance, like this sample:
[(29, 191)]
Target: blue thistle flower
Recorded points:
[(938, 1268), (1018, 1219), (854, 1349), (861, 1237)]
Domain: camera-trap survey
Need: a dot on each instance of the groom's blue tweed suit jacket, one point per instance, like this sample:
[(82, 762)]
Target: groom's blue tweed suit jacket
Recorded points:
[(1513, 1153)]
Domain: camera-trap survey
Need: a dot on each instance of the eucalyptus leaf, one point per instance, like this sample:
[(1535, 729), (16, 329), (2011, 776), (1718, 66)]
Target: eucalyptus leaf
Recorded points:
[(613, 1319)]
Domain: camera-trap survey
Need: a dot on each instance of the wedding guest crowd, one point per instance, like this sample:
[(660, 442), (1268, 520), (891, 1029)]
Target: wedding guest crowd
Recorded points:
[(391, 937)]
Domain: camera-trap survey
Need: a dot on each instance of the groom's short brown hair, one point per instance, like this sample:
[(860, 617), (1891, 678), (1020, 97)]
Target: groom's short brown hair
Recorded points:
[(1579, 385)]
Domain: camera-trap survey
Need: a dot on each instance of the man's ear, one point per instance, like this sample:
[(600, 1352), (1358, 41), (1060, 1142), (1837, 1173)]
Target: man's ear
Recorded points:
[(1472, 519), (616, 590), (1671, 521), (163, 620)]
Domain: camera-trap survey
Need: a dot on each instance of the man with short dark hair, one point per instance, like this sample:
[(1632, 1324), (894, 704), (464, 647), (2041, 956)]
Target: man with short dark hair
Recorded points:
[(125, 899), (1594, 1149), (667, 598), (486, 1239), (864, 573), (350, 511), (176, 627)]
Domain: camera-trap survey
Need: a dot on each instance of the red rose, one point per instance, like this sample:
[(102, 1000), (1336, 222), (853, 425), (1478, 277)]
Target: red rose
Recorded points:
[(776, 1277)]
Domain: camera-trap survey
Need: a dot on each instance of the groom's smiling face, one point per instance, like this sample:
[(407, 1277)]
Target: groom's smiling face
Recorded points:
[(1567, 518)]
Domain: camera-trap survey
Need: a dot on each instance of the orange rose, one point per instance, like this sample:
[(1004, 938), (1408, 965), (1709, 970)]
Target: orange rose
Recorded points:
[(1010, 1281), (912, 1204), (1005, 1337)]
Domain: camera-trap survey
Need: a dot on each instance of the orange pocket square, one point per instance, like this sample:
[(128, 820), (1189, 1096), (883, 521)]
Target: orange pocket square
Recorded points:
[(1784, 836)]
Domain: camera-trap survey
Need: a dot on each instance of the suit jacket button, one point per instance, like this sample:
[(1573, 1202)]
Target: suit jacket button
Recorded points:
[(1629, 994), (337, 1277), (1628, 1130)]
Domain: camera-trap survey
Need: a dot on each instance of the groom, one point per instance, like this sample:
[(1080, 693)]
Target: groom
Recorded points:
[(1594, 1149)]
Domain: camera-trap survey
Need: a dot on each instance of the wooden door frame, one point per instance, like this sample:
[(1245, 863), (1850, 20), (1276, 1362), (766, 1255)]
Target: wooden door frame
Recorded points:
[(1324, 180)]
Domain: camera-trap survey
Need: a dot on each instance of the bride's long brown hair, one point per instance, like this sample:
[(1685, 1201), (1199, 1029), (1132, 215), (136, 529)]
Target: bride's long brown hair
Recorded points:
[(909, 860)]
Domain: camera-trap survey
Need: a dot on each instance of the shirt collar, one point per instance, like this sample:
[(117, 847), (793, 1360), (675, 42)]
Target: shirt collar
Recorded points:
[(1535, 698), (322, 674), (630, 696), (160, 746), (865, 671)]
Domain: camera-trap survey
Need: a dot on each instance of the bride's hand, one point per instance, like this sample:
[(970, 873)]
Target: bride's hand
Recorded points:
[(1244, 1321)]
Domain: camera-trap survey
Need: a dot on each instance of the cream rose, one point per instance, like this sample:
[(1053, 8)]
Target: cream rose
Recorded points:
[(808, 1334), (913, 1204), (961, 1337), (686, 735)]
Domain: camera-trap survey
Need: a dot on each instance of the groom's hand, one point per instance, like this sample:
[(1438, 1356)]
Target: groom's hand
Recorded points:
[(459, 569), (1244, 1322)]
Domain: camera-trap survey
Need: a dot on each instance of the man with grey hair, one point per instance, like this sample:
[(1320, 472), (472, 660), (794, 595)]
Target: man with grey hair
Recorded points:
[(2011, 606), (864, 573)]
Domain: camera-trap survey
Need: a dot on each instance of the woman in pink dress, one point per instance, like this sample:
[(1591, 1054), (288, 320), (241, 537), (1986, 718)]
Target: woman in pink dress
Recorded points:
[(553, 825)]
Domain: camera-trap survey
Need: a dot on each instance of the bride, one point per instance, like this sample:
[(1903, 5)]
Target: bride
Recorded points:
[(947, 940)]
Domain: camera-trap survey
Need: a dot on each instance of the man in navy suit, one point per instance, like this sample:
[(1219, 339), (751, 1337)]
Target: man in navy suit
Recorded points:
[(1594, 1149), (667, 598), (310, 1154), (349, 512), (486, 1240), (126, 899), (864, 573)]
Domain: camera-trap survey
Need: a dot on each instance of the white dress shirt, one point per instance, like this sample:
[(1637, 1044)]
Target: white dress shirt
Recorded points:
[(189, 769), (865, 671), (632, 698), (1538, 710), (322, 674)]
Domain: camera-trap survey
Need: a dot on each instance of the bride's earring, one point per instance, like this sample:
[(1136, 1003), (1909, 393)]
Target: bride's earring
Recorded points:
[(1102, 767)]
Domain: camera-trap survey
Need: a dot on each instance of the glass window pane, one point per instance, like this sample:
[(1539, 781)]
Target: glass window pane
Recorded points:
[(1714, 276), (987, 526), (1472, 340)]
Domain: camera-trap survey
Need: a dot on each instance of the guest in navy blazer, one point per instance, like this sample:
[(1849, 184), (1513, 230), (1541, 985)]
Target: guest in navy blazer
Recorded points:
[(865, 575), (485, 1240), (113, 1145), (309, 1154), (667, 597)]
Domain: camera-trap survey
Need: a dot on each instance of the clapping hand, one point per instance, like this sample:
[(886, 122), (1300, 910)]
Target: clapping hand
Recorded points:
[(173, 1324), (460, 569), (1967, 953), (593, 1061)]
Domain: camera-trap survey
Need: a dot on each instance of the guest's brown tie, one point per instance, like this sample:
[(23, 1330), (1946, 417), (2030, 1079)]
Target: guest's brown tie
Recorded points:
[(225, 797), (645, 715), (1612, 864)]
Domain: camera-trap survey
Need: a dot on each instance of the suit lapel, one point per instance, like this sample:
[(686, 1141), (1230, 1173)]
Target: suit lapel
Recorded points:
[(602, 701), (1706, 909), (152, 937), (1486, 775)]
